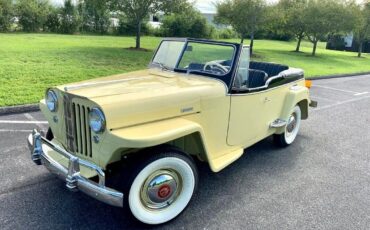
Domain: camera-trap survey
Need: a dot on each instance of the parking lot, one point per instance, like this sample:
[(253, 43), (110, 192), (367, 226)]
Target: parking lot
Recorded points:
[(322, 181)]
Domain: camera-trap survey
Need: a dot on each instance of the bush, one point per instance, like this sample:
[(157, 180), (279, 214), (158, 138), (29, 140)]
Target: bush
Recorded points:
[(151, 31), (128, 27), (273, 35), (186, 24), (6, 14), (225, 33)]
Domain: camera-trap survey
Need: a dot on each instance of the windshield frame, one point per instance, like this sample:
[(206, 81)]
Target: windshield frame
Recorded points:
[(226, 78)]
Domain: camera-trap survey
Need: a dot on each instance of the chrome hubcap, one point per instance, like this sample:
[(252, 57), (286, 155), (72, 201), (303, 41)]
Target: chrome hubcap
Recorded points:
[(292, 123), (161, 189)]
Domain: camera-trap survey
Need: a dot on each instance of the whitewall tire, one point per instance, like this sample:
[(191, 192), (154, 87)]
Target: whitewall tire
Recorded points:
[(162, 188), (291, 129)]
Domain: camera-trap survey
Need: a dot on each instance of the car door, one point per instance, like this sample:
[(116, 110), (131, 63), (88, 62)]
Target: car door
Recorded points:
[(251, 113)]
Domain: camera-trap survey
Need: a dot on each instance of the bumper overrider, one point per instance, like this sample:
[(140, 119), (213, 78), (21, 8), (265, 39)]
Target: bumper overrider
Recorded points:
[(72, 176)]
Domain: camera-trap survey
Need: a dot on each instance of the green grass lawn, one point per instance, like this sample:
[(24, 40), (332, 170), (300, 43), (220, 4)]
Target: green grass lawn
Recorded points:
[(29, 63)]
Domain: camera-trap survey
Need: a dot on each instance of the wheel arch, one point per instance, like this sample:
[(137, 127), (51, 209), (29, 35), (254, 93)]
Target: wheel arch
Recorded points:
[(192, 144), (183, 134), (297, 96)]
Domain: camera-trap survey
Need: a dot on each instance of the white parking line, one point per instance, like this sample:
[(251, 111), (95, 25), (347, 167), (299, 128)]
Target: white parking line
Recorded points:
[(30, 117), (322, 98), (15, 131), (342, 103), (360, 94), (340, 90), (22, 122)]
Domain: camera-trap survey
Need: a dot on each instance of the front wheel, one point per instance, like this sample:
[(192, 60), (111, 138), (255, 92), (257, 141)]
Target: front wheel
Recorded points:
[(162, 187), (291, 129)]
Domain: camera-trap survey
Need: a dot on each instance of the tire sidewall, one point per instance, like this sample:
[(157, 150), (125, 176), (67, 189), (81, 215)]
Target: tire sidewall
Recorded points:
[(185, 168), (289, 140)]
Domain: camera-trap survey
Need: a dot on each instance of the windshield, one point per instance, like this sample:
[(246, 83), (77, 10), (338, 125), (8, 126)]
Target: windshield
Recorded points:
[(168, 53), (215, 59)]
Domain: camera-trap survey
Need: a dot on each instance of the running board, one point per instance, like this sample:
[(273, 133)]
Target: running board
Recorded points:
[(278, 123)]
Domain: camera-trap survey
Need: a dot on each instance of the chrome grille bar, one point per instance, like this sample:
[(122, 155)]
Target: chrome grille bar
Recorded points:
[(69, 123), (78, 131)]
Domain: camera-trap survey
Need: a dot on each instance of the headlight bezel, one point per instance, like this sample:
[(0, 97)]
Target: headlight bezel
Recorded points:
[(97, 113), (51, 94)]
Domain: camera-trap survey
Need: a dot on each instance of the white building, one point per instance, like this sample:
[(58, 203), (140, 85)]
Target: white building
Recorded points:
[(207, 9)]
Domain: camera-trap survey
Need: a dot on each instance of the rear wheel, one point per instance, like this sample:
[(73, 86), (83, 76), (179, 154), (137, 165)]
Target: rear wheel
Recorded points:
[(162, 186), (291, 129)]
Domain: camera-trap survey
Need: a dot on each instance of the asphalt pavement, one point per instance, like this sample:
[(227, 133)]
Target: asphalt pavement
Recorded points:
[(322, 181)]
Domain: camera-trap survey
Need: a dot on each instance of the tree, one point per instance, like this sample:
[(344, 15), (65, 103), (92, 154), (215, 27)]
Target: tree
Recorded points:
[(245, 16), (70, 18), (32, 14), (189, 23), (6, 14), (53, 20), (274, 24), (95, 15), (362, 29), (326, 17), (293, 12), (138, 10)]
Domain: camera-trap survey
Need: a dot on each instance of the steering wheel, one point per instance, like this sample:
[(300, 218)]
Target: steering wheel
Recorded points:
[(215, 66)]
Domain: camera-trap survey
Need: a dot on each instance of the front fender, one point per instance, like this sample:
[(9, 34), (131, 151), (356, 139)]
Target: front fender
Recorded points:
[(163, 132), (156, 133)]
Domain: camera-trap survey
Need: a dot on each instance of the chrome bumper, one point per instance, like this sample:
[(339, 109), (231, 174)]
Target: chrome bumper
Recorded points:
[(74, 181)]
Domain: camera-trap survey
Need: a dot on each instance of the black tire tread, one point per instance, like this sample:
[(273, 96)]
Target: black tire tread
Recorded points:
[(279, 140)]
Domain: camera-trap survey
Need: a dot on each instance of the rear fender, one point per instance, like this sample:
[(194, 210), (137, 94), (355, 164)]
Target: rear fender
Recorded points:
[(297, 95)]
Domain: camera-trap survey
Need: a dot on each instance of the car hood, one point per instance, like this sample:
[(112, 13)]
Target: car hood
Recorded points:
[(148, 95)]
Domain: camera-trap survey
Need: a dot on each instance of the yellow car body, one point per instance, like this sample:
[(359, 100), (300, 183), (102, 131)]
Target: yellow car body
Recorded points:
[(153, 107), (212, 112)]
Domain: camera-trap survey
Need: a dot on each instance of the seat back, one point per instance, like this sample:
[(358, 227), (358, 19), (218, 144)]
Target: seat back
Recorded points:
[(271, 69), (256, 78)]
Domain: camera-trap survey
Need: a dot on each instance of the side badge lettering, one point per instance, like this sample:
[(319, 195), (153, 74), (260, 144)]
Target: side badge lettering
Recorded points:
[(186, 110)]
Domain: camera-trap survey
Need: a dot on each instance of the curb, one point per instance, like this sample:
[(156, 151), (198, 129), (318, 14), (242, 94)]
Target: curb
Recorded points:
[(338, 76), (19, 109)]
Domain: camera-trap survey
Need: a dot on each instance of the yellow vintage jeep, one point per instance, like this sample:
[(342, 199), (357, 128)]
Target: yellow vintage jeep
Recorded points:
[(198, 99)]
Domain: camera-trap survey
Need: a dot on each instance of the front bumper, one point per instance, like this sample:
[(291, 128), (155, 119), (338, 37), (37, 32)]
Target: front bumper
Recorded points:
[(72, 176)]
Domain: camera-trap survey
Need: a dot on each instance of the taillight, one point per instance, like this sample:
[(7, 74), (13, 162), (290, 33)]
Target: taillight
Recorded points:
[(308, 83)]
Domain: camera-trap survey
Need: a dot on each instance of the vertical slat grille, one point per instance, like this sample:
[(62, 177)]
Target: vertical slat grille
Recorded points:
[(77, 128), (68, 116)]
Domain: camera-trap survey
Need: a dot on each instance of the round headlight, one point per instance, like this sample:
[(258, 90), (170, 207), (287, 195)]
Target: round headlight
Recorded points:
[(97, 120), (51, 100)]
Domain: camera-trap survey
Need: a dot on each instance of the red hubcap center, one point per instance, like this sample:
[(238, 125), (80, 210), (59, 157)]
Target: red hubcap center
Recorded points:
[(164, 191)]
